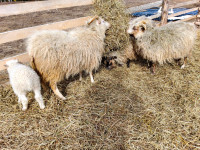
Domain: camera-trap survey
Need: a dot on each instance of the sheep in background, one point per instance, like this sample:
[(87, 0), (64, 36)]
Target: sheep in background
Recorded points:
[(58, 54), (162, 44), (115, 58), (22, 80)]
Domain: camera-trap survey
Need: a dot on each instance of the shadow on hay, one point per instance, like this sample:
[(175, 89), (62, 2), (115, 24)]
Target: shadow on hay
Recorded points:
[(105, 119)]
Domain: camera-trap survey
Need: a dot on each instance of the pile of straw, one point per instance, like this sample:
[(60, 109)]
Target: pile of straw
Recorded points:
[(113, 11)]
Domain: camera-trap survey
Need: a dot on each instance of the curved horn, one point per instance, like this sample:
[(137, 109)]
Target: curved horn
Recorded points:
[(96, 17)]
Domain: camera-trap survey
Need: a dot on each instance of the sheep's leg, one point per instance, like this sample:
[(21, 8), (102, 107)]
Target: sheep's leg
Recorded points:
[(24, 101), (128, 63), (91, 77), (153, 68), (184, 63), (39, 98), (80, 76), (44, 85), (54, 87), (178, 61), (19, 100)]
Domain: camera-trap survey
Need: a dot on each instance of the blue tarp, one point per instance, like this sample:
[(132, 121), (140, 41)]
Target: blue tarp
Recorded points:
[(154, 11)]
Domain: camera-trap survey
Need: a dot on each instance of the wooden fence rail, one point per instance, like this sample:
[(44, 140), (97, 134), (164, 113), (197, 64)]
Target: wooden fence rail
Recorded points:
[(143, 7), (184, 3), (158, 4), (183, 12), (22, 8), (24, 57), (25, 32)]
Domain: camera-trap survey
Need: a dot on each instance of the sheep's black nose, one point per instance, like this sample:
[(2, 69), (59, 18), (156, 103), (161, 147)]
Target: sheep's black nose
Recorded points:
[(131, 35)]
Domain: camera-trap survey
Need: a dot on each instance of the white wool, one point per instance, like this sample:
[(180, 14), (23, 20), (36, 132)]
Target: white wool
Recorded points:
[(22, 80)]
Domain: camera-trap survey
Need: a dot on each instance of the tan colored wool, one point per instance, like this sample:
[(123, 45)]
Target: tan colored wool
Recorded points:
[(59, 54), (124, 56), (165, 43)]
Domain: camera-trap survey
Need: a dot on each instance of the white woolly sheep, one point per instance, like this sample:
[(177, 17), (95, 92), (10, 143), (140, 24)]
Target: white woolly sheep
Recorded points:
[(59, 54), (162, 44), (22, 80), (115, 58)]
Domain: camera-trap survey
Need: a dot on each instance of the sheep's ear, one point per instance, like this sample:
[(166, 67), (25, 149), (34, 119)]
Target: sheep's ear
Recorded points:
[(5, 65), (130, 22), (98, 22)]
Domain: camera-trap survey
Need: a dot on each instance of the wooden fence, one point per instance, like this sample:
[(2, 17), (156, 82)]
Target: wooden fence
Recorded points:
[(16, 9), (197, 22)]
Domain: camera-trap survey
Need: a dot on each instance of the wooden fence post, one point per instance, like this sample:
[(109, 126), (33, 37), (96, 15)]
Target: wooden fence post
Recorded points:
[(164, 15)]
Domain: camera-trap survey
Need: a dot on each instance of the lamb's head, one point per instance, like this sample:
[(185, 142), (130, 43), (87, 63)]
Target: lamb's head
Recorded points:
[(109, 61), (99, 23), (138, 26), (11, 63)]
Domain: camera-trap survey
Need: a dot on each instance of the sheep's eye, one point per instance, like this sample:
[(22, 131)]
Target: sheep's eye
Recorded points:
[(142, 28), (134, 28)]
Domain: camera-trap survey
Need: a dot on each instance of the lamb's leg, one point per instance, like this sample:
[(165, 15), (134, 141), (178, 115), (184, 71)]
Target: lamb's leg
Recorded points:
[(184, 63), (39, 98), (80, 76), (91, 77), (24, 101), (19, 100), (54, 87)]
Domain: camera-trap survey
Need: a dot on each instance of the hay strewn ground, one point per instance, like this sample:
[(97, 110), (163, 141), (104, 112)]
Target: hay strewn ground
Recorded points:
[(126, 108)]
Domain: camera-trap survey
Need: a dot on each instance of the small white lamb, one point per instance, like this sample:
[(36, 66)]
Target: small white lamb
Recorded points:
[(22, 80)]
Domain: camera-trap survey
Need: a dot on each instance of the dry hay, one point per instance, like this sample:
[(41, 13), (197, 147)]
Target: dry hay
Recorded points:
[(113, 11), (126, 108)]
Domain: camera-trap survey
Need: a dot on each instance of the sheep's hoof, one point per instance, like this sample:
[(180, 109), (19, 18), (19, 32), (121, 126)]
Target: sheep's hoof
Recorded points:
[(63, 98), (24, 109), (183, 66), (42, 107)]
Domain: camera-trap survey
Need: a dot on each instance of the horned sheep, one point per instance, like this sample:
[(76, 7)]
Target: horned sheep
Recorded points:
[(162, 44), (58, 54), (22, 80)]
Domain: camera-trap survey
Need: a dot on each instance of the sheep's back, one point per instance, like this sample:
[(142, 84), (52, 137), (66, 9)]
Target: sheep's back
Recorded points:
[(23, 77), (58, 52), (171, 41)]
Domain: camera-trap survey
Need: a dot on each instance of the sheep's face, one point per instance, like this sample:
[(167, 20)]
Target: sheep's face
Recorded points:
[(99, 22), (11, 62), (104, 23), (137, 30), (110, 62), (138, 26)]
